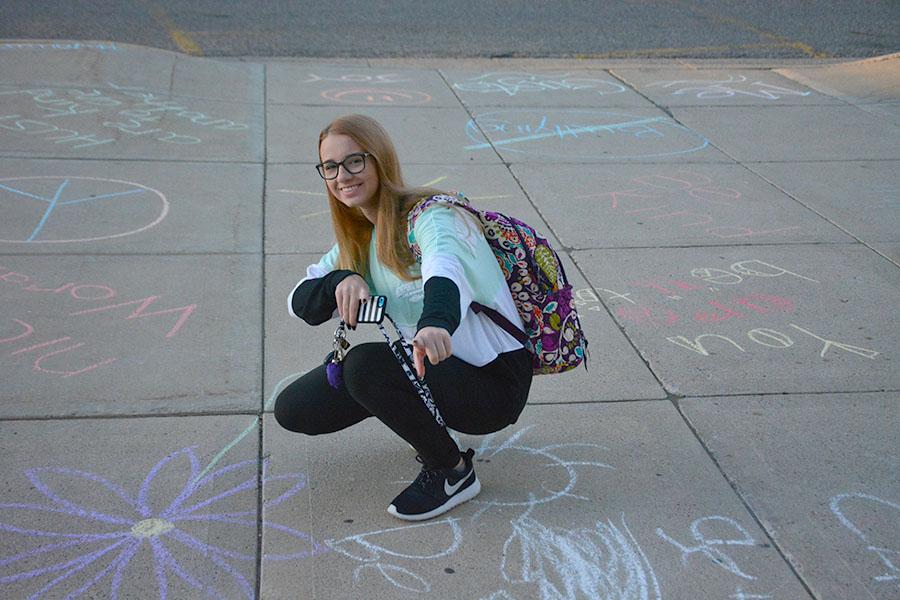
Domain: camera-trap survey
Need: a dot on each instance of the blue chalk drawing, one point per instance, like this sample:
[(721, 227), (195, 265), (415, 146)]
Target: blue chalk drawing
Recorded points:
[(52, 203), (52, 213), (253, 424), (528, 131), (59, 46)]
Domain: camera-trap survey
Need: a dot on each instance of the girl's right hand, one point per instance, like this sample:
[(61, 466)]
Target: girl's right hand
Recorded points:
[(352, 290)]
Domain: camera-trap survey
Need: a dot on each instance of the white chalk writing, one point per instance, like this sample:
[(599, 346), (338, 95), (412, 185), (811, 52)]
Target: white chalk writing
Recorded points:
[(889, 557), (136, 110), (373, 556), (728, 88), (514, 83), (711, 547)]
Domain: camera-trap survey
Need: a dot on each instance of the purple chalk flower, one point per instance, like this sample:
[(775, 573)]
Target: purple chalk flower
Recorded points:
[(192, 545)]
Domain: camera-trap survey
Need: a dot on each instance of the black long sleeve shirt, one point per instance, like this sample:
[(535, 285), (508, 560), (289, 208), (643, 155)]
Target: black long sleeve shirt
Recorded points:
[(314, 301)]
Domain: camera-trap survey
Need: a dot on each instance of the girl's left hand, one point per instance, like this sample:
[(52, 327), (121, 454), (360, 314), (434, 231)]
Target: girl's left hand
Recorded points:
[(433, 342)]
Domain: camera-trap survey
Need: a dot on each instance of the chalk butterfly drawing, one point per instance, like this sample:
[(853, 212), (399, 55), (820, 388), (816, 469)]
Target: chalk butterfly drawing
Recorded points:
[(172, 545)]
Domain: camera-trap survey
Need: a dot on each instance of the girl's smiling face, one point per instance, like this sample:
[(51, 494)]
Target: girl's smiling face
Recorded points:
[(354, 190)]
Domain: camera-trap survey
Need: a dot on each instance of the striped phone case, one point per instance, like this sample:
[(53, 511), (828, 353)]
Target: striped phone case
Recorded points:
[(371, 310)]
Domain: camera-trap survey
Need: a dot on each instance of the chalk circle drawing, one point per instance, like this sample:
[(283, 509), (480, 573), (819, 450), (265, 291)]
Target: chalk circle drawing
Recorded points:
[(513, 83), (373, 551), (384, 78), (376, 96), (112, 548), (559, 474), (69, 209), (727, 88), (604, 561), (887, 529), (592, 134)]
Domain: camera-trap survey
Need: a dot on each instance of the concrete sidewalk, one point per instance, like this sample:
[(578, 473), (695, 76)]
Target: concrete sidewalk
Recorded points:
[(733, 233)]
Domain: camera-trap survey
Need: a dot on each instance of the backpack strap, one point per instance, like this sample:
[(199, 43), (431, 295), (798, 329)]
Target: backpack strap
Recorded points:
[(477, 307), (413, 215), (501, 322)]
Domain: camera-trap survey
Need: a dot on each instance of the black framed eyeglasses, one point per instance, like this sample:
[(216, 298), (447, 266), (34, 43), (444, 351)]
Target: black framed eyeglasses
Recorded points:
[(352, 163)]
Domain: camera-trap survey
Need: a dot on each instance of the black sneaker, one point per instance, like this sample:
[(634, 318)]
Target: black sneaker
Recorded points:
[(435, 491)]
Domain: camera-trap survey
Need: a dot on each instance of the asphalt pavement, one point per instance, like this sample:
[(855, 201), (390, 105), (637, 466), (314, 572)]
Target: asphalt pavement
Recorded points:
[(732, 232), (474, 28)]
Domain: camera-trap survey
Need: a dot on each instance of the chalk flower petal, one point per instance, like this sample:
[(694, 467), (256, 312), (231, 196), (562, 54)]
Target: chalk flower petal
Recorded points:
[(92, 538)]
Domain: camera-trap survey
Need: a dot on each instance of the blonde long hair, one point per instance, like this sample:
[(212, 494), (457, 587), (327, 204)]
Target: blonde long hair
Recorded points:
[(393, 200)]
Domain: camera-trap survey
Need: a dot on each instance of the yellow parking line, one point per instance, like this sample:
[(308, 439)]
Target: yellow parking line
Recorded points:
[(667, 52), (181, 38), (780, 41), (804, 48)]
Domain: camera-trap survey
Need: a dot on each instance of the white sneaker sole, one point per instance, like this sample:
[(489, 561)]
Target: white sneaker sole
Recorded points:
[(464, 496)]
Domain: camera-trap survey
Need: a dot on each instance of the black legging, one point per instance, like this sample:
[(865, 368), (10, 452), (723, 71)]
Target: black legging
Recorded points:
[(474, 400)]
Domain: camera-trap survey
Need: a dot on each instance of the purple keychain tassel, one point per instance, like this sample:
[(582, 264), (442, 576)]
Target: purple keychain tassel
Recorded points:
[(334, 371)]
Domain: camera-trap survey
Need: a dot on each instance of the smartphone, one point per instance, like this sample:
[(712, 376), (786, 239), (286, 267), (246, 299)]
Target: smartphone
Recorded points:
[(371, 310)]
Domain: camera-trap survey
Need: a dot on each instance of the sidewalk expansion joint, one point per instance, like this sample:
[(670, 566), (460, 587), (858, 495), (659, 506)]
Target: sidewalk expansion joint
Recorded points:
[(724, 245), (734, 487), (110, 416), (260, 473), (111, 254), (584, 402), (796, 393), (820, 215)]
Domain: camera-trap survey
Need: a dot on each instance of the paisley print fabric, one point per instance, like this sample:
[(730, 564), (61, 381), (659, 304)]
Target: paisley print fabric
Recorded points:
[(536, 280)]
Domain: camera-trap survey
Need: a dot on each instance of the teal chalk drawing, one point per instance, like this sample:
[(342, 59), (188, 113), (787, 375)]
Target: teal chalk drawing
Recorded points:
[(572, 133), (253, 425)]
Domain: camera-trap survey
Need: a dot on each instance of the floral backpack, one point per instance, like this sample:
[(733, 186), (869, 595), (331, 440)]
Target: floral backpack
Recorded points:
[(537, 282)]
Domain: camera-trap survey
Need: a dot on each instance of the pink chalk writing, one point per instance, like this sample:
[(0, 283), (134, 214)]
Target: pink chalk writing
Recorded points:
[(62, 355), (680, 199), (90, 292), (645, 315), (723, 310), (185, 311), (38, 366)]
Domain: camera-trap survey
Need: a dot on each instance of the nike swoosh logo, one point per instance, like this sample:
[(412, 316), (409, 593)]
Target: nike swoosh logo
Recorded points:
[(452, 489)]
